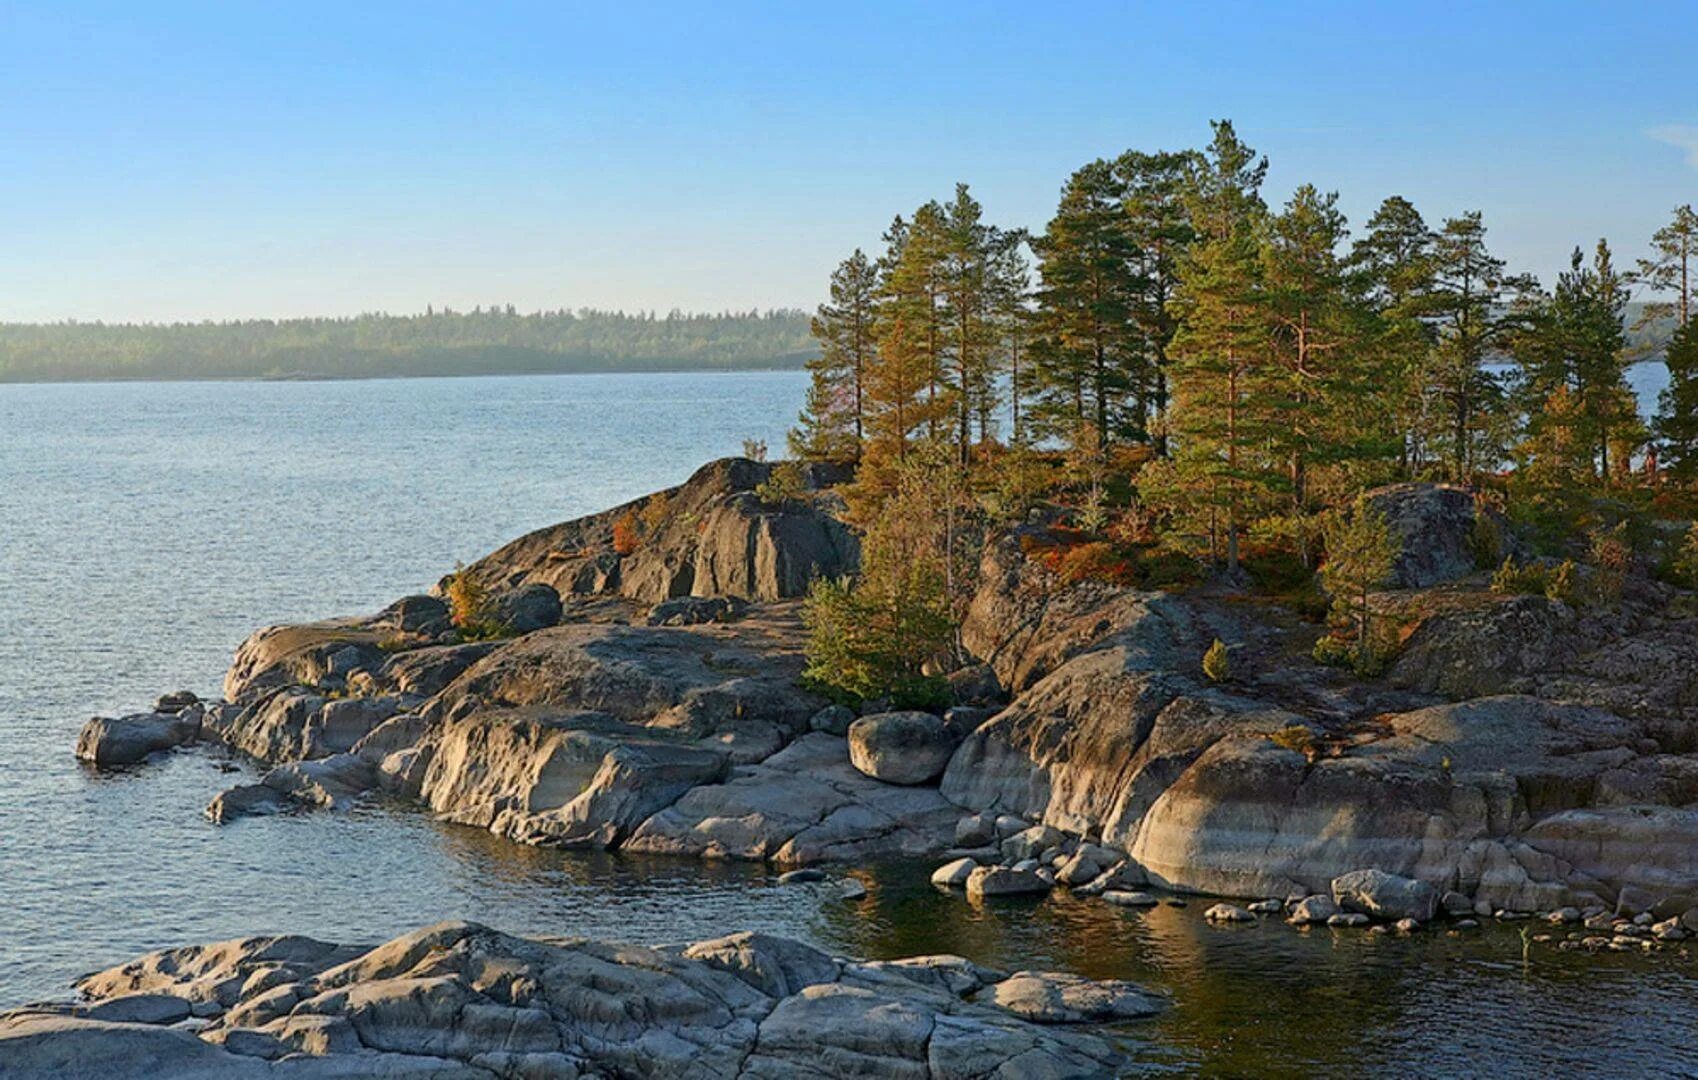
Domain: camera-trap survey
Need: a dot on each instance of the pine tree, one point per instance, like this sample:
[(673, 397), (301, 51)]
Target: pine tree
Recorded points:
[(1160, 230), (969, 293), (1575, 341), (912, 284), (1677, 412), (1011, 288), (1361, 554), (1670, 269), (1472, 302), (832, 426), (1086, 347), (1222, 418), (1393, 267), (1321, 343)]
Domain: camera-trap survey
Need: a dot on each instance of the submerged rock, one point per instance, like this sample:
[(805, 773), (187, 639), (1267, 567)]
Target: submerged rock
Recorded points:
[(458, 999)]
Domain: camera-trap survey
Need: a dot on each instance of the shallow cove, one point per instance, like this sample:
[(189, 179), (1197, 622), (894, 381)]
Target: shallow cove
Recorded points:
[(145, 529)]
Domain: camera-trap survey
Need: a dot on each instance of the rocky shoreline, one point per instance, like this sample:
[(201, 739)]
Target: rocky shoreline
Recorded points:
[(1521, 758)]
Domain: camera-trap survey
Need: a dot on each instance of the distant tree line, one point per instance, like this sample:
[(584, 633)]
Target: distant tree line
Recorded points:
[(493, 340)]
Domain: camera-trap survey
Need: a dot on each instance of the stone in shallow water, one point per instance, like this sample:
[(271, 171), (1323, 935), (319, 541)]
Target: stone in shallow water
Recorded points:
[(1050, 997), (1228, 913), (1121, 898), (126, 740), (954, 874), (1004, 881)]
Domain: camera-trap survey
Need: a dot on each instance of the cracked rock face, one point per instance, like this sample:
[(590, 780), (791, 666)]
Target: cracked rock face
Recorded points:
[(1561, 769), (458, 999)]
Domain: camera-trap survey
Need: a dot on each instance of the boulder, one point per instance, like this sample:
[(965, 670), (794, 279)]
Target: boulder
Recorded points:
[(695, 610), (1129, 899), (987, 881), (175, 702), (548, 776), (125, 740), (954, 874), (424, 615), (901, 747), (426, 672), (976, 685), (1031, 842), (1385, 896), (832, 720), (528, 608), (1312, 909), (1228, 913), (1052, 997), (1434, 525)]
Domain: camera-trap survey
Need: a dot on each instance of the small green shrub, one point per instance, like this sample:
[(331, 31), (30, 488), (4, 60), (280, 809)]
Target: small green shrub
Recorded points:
[(785, 484), (1514, 580), (1611, 558), (1365, 659), (1217, 666), (656, 512), (471, 609), (1297, 738), (1485, 539), (1685, 562), (1563, 583)]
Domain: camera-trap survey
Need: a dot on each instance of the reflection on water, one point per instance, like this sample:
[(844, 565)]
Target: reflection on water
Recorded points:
[(145, 529)]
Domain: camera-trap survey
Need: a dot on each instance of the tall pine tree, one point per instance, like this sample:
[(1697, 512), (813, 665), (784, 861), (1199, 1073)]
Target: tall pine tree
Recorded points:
[(832, 426), (1086, 346), (1222, 409)]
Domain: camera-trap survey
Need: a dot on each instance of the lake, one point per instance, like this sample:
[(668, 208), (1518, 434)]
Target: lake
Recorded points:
[(145, 529)]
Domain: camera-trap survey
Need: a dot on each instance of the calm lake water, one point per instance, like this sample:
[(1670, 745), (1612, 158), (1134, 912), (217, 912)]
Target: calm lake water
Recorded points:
[(145, 529)]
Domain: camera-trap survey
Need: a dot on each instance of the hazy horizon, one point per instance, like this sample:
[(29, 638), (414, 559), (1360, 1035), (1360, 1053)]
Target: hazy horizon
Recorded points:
[(190, 163)]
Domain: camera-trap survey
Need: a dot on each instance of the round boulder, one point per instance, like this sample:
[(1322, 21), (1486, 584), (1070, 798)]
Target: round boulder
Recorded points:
[(901, 747), (527, 608)]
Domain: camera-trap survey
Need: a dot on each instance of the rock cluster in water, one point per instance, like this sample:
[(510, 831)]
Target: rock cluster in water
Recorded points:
[(461, 1000)]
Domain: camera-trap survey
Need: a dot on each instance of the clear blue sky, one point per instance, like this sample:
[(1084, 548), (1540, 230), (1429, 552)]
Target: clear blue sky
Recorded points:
[(185, 161)]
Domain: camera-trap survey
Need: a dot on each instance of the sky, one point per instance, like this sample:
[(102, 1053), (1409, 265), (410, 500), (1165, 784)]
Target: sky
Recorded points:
[(186, 161)]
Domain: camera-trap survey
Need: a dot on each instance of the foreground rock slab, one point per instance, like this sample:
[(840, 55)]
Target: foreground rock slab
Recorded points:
[(460, 1000)]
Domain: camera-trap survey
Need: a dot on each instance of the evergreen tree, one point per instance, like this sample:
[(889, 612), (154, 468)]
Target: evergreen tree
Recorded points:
[(1222, 416), (1677, 413), (1011, 287), (1160, 230), (832, 426), (1361, 554), (1471, 301), (1393, 267), (912, 286), (1674, 249), (1319, 338), (1086, 346), (969, 292), (1575, 341)]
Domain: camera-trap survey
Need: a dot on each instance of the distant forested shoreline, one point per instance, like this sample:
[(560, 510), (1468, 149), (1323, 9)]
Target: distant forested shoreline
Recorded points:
[(485, 341)]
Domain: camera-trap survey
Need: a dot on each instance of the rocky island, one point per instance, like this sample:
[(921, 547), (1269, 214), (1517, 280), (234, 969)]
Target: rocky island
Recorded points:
[(1520, 757)]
